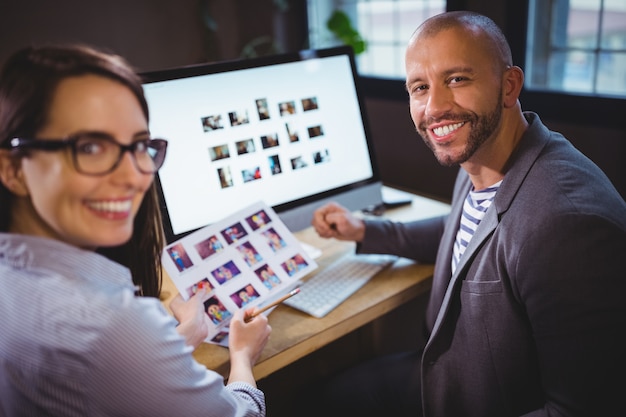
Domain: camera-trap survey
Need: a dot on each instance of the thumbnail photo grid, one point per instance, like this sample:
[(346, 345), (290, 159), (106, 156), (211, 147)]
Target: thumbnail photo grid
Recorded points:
[(245, 260), (287, 129)]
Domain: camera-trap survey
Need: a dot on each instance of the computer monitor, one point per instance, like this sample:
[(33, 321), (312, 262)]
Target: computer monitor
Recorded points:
[(289, 130)]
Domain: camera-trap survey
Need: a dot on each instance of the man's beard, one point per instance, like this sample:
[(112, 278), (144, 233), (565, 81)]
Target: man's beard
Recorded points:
[(482, 128)]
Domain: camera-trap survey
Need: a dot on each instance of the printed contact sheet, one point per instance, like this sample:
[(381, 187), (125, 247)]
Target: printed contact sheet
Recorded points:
[(246, 260)]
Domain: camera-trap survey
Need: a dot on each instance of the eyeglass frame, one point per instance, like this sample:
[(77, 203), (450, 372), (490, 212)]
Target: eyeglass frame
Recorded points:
[(70, 141)]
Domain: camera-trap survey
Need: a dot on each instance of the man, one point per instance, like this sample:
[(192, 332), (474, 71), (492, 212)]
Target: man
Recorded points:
[(527, 313)]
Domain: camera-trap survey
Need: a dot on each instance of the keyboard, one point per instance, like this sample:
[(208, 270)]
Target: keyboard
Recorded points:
[(335, 283)]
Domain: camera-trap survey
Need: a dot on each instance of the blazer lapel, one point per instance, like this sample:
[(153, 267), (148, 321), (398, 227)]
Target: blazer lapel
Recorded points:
[(533, 141)]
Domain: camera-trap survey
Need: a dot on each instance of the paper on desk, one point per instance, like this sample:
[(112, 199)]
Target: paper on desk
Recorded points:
[(246, 260)]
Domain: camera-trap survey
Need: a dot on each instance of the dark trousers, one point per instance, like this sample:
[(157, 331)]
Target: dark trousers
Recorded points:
[(385, 386)]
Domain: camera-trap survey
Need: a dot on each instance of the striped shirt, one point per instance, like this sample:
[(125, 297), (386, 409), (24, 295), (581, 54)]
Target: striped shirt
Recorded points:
[(474, 209), (76, 341)]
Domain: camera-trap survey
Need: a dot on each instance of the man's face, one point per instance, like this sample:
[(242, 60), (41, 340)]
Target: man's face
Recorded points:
[(455, 94)]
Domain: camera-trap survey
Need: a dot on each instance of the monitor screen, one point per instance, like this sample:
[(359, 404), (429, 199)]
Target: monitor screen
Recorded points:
[(289, 130)]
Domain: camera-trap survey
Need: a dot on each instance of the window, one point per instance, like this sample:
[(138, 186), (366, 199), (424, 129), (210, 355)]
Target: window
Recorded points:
[(386, 26), (577, 46), (573, 46)]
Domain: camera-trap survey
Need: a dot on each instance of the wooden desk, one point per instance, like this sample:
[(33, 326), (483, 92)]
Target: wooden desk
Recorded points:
[(296, 334)]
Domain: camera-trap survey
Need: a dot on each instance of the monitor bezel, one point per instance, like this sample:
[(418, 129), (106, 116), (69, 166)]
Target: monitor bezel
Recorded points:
[(242, 64)]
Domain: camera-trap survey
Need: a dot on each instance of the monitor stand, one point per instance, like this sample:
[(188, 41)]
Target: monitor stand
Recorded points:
[(299, 217)]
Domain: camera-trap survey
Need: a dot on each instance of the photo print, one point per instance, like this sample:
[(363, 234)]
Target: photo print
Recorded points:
[(234, 232), (321, 156), (309, 103), (225, 273), (221, 338), (274, 163), (216, 310), (209, 247), (268, 277), (269, 141), (287, 107), (298, 162), (245, 146), (262, 108), (219, 152), (244, 296), (200, 285), (251, 174), (315, 131), (179, 255), (238, 118), (294, 264), (226, 179), (249, 254), (291, 133), (239, 262), (210, 123), (258, 220), (274, 240)]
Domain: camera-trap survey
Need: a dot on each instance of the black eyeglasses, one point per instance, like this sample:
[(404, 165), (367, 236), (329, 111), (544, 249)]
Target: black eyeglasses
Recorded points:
[(100, 154)]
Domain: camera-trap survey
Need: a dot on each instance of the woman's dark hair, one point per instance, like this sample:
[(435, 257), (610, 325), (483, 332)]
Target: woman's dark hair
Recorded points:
[(28, 81)]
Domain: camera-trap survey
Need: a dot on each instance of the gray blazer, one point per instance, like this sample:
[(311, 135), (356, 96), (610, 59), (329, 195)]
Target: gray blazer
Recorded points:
[(533, 322)]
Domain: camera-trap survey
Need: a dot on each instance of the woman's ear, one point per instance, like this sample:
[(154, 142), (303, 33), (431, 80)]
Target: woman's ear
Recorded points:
[(11, 174)]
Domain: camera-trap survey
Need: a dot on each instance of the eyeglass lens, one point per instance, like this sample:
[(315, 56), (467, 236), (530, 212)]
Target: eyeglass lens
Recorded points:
[(99, 154)]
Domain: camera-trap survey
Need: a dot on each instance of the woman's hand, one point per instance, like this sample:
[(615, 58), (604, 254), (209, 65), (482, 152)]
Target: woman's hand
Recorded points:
[(246, 342), (191, 317)]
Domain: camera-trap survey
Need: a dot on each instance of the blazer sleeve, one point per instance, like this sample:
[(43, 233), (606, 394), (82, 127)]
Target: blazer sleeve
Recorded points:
[(418, 240)]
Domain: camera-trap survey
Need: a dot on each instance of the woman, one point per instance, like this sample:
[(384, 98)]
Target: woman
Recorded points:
[(80, 239)]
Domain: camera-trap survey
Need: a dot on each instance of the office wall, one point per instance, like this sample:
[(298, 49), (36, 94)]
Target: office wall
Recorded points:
[(155, 34), (150, 33)]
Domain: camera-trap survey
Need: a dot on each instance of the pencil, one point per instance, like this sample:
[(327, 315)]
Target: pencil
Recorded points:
[(273, 304)]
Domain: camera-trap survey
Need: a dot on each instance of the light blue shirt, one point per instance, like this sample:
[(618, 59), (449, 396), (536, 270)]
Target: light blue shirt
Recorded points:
[(76, 341)]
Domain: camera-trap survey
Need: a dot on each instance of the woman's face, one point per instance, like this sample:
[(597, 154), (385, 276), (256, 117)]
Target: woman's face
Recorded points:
[(60, 203)]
